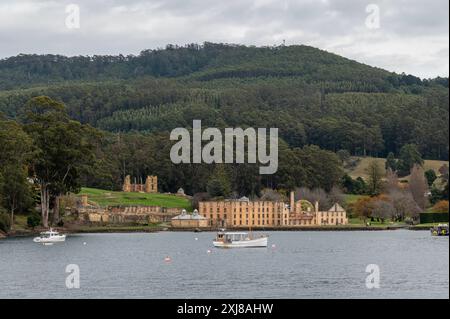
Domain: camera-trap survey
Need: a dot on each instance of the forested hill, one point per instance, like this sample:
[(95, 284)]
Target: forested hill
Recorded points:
[(205, 62), (312, 96)]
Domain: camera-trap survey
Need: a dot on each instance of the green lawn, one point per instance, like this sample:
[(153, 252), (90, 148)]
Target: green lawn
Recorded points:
[(431, 224), (105, 198), (360, 222)]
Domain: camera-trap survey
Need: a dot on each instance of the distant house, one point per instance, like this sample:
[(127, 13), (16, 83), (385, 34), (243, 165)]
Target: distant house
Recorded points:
[(185, 220)]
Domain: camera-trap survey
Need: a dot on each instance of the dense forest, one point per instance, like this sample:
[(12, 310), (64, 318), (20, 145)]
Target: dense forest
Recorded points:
[(312, 96)]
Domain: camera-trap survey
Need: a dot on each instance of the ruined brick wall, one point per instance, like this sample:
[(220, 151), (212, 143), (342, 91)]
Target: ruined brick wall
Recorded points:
[(150, 186), (127, 184), (128, 214)]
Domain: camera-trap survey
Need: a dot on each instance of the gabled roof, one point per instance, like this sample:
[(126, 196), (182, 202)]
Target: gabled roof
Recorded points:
[(336, 208)]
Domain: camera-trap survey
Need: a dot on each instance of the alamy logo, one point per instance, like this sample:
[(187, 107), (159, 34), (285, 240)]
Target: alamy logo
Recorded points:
[(73, 16), (261, 148), (73, 279), (373, 279), (373, 19)]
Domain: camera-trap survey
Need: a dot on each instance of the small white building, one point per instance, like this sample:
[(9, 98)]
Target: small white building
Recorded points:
[(185, 220)]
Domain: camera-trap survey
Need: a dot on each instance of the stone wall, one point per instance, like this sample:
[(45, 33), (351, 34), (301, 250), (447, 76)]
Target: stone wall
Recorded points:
[(172, 211), (190, 223)]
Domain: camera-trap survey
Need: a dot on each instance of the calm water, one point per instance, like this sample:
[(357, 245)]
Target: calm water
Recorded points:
[(301, 265)]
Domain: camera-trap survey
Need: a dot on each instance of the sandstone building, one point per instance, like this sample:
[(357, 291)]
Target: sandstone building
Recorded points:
[(150, 186), (185, 220), (246, 213)]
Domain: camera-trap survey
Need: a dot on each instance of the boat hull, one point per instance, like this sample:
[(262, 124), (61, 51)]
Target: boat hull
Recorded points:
[(56, 239), (441, 230), (436, 233), (252, 243)]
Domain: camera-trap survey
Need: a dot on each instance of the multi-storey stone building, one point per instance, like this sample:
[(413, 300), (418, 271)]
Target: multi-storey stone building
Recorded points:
[(243, 212), (246, 213)]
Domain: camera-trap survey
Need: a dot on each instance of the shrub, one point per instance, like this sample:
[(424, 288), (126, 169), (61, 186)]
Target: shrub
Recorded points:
[(427, 218), (4, 222), (33, 220), (440, 207)]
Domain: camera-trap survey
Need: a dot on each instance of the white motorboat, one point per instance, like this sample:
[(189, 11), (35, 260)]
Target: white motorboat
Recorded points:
[(239, 240), (50, 236)]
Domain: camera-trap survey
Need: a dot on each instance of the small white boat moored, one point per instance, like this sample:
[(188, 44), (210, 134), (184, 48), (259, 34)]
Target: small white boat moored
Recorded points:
[(50, 236), (239, 240)]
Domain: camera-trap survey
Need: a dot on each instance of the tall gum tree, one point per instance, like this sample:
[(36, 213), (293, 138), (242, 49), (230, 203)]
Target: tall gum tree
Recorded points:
[(15, 152), (63, 149)]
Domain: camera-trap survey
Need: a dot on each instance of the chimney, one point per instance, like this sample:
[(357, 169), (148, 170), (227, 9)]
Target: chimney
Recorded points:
[(292, 201), (148, 185), (84, 200)]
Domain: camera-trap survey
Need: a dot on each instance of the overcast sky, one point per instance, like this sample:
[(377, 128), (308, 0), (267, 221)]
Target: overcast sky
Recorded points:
[(412, 35)]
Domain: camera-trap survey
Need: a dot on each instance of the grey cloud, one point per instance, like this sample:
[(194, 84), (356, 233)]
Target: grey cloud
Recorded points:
[(412, 37)]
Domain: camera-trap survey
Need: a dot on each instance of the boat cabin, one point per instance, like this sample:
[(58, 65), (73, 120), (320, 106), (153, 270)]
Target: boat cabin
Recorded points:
[(229, 237), (49, 233)]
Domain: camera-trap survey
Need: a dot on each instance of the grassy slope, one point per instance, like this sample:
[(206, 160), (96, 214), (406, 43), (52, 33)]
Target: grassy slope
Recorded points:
[(350, 198), (360, 169), (109, 198)]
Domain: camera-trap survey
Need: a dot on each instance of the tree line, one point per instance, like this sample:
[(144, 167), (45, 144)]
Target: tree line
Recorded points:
[(207, 62), (365, 124), (312, 96)]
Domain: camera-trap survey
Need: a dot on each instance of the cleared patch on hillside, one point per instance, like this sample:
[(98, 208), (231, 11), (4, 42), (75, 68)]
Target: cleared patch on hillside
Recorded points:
[(361, 167)]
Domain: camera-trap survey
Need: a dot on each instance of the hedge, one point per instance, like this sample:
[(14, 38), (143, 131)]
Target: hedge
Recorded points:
[(427, 218)]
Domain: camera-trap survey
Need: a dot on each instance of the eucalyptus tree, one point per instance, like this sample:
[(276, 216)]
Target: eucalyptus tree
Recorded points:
[(15, 152), (63, 149)]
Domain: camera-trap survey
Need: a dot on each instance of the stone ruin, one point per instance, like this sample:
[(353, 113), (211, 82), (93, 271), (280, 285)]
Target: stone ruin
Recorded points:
[(124, 214), (150, 186)]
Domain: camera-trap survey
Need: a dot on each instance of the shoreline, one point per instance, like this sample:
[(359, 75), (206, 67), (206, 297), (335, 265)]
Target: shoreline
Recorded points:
[(146, 229)]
